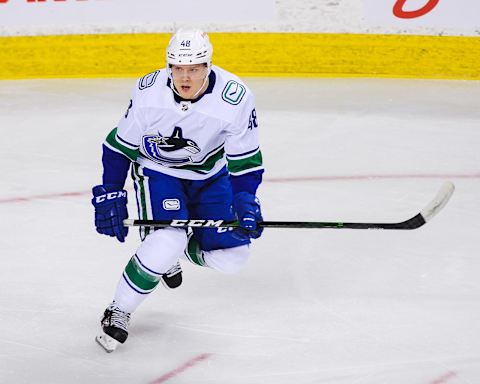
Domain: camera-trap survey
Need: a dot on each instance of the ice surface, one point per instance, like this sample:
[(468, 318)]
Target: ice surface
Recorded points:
[(312, 306)]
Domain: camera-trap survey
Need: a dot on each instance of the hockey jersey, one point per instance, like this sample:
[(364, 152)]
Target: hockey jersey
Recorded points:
[(190, 139)]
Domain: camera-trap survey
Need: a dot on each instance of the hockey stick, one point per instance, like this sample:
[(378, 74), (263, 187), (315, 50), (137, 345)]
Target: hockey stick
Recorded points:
[(415, 222)]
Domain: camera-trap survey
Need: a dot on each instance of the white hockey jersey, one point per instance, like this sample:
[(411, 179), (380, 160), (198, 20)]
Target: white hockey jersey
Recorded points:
[(190, 140)]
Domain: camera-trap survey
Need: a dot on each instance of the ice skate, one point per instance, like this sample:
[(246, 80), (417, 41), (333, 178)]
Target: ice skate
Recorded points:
[(173, 277), (115, 328)]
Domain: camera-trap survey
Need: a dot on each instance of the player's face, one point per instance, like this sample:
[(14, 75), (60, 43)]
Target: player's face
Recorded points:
[(188, 79)]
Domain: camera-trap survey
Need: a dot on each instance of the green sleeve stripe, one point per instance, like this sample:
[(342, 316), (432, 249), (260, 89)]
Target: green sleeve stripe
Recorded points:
[(112, 142), (245, 165)]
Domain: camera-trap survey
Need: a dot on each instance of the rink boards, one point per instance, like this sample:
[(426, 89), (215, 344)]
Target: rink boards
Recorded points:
[(247, 54)]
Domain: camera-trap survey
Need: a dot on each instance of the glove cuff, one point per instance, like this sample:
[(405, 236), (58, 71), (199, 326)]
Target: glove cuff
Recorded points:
[(105, 188), (245, 202), (244, 197)]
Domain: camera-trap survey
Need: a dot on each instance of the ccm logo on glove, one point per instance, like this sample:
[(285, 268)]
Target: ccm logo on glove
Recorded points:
[(110, 196)]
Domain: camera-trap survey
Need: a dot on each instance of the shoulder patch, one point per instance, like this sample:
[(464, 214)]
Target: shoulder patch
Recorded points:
[(233, 92), (148, 80)]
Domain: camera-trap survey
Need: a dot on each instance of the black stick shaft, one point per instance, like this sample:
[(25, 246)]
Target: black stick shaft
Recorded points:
[(412, 223)]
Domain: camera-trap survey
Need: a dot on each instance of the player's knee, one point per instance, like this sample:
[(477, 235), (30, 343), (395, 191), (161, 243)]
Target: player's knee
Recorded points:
[(229, 260), (162, 248)]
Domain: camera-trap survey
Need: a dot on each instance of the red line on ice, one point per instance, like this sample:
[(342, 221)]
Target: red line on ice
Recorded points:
[(182, 368), (299, 179), (42, 197), (444, 378)]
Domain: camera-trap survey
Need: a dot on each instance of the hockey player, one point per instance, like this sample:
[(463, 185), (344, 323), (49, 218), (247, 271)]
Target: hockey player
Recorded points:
[(190, 137)]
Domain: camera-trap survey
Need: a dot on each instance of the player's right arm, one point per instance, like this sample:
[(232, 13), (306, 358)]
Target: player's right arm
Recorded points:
[(120, 149)]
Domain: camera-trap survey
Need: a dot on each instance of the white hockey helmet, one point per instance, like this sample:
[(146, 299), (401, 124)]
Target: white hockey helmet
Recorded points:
[(189, 46)]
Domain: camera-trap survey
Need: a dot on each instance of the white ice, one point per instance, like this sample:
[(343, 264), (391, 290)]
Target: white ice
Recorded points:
[(312, 306)]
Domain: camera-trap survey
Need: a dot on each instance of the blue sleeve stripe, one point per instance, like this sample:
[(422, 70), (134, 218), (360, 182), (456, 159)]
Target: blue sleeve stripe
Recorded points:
[(126, 143), (245, 154)]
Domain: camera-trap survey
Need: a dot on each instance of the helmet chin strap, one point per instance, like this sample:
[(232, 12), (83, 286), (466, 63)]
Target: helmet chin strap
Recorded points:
[(172, 85)]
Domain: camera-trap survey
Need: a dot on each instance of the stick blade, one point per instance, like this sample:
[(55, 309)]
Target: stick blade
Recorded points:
[(437, 204)]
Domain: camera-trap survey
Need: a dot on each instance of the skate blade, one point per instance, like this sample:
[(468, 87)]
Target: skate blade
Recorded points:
[(108, 343)]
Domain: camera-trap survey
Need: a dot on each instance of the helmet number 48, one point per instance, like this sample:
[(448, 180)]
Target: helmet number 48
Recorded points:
[(185, 43)]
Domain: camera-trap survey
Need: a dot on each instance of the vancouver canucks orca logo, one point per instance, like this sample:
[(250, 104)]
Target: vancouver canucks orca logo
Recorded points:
[(157, 147)]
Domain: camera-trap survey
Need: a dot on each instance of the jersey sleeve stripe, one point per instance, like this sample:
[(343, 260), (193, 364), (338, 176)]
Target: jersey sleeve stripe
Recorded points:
[(243, 155), (244, 172), (114, 144), (244, 165), (106, 144), (125, 142)]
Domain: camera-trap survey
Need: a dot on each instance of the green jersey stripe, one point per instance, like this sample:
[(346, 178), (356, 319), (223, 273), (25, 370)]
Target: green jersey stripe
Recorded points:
[(113, 142), (141, 183), (245, 165), (207, 164)]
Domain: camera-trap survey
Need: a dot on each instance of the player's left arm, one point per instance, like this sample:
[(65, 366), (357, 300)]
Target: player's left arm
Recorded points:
[(245, 165)]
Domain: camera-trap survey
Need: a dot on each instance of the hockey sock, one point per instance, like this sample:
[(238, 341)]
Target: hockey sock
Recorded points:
[(154, 257), (193, 253), (134, 285)]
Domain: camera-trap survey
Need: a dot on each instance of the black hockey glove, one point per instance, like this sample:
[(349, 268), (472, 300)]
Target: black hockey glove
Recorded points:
[(247, 208), (110, 210)]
